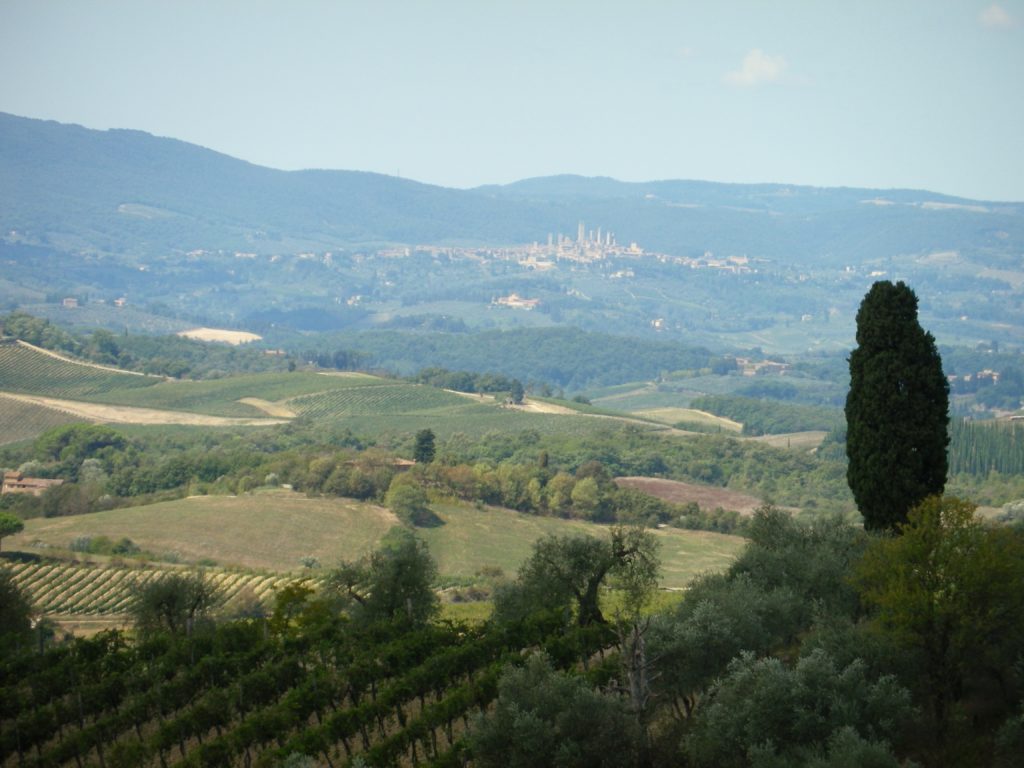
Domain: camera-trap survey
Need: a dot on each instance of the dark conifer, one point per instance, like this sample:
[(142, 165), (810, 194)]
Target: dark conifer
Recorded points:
[(897, 410)]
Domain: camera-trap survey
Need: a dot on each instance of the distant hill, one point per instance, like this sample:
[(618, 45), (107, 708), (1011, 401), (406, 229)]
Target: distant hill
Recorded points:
[(117, 191)]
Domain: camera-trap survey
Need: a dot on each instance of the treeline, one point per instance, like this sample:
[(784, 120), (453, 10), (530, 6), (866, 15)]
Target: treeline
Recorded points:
[(174, 356), (467, 381), (562, 357), (770, 417), (546, 475), (984, 447)]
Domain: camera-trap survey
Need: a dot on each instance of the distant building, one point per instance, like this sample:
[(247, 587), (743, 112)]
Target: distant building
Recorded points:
[(515, 301), (70, 303), (16, 482), (120, 302)]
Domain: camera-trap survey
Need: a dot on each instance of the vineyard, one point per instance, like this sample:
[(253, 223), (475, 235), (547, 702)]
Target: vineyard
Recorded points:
[(240, 695), (64, 588), (21, 421), (384, 399), (219, 397), (26, 370)]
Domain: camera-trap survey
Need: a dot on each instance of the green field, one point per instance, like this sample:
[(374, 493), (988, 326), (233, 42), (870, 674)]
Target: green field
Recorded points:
[(273, 530), (471, 539)]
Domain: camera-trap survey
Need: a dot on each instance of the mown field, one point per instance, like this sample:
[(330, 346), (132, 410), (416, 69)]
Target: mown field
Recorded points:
[(274, 530)]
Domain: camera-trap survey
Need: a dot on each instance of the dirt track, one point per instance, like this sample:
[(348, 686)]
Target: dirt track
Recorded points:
[(123, 414)]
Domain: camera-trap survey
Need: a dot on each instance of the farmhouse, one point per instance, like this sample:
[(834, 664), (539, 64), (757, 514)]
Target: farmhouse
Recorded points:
[(16, 482)]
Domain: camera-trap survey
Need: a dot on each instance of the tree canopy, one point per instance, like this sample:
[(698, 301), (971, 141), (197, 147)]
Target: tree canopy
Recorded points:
[(897, 409)]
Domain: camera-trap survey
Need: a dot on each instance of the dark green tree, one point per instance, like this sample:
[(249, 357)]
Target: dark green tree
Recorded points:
[(424, 450), (10, 525), (516, 392), (897, 410), (15, 613)]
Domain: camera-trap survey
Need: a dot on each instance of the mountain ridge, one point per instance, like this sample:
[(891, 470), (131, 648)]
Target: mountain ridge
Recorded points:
[(123, 190)]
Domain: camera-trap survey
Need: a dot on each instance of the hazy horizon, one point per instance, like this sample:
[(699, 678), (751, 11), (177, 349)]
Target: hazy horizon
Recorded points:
[(916, 95)]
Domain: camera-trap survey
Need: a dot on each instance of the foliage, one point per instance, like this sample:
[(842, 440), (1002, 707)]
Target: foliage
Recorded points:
[(407, 499), (565, 574), (897, 410), (764, 714), (15, 612), (10, 525), (394, 583), (173, 603), (981, 448), (547, 718), (424, 448), (948, 589), (767, 417)]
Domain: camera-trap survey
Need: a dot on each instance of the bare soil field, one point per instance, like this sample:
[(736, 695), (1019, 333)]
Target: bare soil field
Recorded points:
[(220, 334), (706, 496), (269, 408), (125, 414), (799, 441)]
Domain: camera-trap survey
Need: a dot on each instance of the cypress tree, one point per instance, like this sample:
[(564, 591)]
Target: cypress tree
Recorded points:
[(897, 410)]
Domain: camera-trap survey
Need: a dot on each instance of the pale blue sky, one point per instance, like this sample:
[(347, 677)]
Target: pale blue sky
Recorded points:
[(902, 93)]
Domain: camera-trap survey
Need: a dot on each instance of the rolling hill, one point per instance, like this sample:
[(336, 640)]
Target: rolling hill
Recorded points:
[(272, 530), (122, 190)]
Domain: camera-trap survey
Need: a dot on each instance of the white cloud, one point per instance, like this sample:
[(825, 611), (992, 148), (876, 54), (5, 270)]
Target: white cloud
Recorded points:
[(757, 68), (996, 16)]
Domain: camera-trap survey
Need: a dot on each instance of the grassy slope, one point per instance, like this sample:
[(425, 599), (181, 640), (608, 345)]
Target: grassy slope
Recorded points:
[(264, 530), (363, 403), (272, 530)]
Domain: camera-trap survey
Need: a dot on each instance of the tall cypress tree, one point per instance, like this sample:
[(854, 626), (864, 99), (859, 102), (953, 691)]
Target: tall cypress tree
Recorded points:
[(897, 410)]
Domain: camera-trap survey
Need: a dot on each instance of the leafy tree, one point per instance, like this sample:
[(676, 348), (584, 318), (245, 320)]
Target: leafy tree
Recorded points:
[(424, 450), (566, 573), (516, 392), (897, 410), (173, 603), (949, 589), (546, 718), (395, 583), (765, 714), (409, 502), (10, 525)]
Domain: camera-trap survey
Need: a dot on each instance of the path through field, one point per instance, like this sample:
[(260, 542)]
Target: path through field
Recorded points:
[(125, 414)]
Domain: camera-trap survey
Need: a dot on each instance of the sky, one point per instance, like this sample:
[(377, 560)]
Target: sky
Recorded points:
[(882, 94)]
